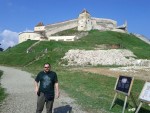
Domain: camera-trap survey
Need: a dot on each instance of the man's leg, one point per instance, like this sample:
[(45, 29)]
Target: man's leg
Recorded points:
[(49, 106), (40, 103)]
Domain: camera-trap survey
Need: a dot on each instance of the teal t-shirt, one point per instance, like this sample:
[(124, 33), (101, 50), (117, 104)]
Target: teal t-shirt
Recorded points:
[(47, 81)]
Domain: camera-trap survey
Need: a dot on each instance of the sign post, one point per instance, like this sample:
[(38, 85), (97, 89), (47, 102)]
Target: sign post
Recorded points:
[(123, 85), (139, 107), (113, 101), (144, 96)]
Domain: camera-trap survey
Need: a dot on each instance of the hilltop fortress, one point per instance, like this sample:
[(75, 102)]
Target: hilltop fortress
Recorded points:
[(84, 22)]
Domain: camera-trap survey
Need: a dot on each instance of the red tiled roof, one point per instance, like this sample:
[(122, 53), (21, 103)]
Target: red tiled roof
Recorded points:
[(40, 24), (85, 11)]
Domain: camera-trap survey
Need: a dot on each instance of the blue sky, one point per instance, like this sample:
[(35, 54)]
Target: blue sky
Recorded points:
[(21, 15)]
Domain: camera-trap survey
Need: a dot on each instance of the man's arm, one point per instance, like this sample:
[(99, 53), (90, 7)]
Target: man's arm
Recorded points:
[(57, 90), (36, 86)]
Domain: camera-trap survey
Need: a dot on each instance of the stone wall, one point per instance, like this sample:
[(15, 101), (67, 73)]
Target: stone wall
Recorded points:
[(29, 36), (54, 28), (103, 24), (97, 23), (62, 38), (142, 38)]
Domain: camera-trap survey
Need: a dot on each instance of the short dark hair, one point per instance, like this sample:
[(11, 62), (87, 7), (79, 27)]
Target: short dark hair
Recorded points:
[(47, 64)]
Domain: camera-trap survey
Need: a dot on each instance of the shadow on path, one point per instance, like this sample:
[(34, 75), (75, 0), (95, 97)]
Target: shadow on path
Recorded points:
[(63, 109)]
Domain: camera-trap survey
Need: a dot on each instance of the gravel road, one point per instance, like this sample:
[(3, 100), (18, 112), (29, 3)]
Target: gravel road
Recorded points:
[(22, 99)]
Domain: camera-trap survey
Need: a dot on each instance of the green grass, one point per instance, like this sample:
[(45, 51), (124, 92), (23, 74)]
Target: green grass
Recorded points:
[(127, 41), (2, 91), (94, 92), (17, 55)]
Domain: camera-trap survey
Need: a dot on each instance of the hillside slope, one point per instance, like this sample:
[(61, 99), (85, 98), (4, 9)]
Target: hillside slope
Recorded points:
[(17, 55)]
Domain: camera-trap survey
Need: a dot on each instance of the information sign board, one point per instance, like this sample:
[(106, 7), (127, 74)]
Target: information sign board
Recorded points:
[(145, 93), (124, 84)]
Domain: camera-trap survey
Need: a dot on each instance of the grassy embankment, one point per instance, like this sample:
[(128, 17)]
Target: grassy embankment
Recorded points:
[(2, 91), (94, 92)]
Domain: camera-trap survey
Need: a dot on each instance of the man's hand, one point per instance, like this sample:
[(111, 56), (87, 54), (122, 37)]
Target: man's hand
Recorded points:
[(57, 95), (36, 89), (57, 90)]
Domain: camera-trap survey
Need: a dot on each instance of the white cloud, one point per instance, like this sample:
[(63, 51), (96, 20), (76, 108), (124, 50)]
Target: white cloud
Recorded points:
[(8, 39)]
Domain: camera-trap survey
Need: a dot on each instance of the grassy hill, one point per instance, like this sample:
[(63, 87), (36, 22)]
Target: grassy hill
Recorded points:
[(17, 56), (92, 91)]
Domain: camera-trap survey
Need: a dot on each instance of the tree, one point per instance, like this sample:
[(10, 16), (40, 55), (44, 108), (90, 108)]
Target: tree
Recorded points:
[(1, 49)]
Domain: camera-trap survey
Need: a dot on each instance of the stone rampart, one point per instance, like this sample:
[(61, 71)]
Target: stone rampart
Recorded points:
[(54, 28), (104, 23), (98, 23), (142, 38), (60, 24), (60, 28)]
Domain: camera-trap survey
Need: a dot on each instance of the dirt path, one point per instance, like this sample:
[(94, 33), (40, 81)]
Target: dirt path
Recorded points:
[(142, 73), (22, 99)]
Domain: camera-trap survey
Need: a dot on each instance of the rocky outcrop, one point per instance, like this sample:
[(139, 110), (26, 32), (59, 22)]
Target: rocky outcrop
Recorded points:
[(121, 57)]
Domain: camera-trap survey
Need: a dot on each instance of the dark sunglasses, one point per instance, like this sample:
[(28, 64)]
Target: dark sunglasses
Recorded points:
[(46, 67)]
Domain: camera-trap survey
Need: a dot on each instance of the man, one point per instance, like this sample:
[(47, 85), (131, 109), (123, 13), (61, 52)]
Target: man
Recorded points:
[(46, 87)]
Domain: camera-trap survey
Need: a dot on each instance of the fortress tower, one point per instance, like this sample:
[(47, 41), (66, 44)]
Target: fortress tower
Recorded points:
[(40, 29), (84, 21)]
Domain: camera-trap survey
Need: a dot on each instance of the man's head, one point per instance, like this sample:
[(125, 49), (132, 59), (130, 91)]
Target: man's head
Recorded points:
[(47, 67)]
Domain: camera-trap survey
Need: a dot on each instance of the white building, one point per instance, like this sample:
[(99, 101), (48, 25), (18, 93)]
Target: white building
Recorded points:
[(38, 34)]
